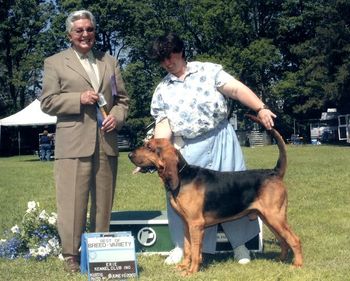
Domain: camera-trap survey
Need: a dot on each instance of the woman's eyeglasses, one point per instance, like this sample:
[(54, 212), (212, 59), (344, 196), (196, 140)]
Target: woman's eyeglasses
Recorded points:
[(81, 30)]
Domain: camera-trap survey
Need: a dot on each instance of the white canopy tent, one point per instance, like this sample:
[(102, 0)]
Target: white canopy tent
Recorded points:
[(29, 116), (32, 115)]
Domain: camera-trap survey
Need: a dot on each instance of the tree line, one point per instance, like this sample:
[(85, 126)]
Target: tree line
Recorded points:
[(293, 53)]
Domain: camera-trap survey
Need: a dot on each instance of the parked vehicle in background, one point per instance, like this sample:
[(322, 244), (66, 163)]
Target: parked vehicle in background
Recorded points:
[(325, 130), (123, 140)]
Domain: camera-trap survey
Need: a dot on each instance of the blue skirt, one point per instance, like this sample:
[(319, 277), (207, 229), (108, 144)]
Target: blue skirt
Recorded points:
[(219, 150)]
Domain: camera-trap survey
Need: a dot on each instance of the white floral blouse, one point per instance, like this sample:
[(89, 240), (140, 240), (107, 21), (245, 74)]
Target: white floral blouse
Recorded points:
[(193, 106)]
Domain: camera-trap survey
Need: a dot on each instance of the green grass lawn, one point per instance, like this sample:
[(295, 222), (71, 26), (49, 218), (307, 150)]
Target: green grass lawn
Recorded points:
[(318, 182)]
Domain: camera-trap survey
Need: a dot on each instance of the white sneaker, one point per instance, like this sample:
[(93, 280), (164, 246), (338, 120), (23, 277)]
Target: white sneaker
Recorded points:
[(175, 256), (241, 254)]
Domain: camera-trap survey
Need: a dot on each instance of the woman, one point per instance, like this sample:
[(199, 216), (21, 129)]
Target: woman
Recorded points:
[(190, 107)]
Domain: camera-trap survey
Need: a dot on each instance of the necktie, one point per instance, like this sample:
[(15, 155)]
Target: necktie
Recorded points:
[(94, 81), (91, 73)]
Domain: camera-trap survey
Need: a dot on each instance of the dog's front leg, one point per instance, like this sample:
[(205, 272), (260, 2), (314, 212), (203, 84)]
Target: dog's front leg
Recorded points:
[(186, 262), (196, 235)]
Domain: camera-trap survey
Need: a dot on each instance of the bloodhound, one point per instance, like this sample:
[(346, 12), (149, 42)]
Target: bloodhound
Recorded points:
[(206, 197)]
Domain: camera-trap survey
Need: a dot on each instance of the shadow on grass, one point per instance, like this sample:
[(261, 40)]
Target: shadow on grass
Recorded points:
[(37, 160), (31, 160)]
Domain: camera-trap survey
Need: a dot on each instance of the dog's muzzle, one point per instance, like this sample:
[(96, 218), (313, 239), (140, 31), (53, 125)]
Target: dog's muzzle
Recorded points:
[(138, 169)]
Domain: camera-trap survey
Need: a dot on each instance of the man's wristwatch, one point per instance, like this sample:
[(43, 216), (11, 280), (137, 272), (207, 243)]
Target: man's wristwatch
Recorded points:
[(261, 108)]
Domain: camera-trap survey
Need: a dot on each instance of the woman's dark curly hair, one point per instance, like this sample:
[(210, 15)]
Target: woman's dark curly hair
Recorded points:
[(165, 45)]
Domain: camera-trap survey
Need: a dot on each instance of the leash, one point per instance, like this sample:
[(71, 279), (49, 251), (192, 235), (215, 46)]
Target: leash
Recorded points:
[(183, 167)]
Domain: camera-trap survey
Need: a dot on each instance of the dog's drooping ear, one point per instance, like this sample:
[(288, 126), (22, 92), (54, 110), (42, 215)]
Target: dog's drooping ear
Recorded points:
[(170, 174), (166, 163), (168, 156)]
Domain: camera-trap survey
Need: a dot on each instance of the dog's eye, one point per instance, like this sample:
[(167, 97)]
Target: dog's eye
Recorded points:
[(159, 151), (148, 146)]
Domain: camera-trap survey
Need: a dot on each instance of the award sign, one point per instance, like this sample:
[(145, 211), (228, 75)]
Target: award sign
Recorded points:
[(110, 256)]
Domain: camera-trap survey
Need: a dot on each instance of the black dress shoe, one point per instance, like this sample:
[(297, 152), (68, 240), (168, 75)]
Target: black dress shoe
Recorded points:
[(72, 264)]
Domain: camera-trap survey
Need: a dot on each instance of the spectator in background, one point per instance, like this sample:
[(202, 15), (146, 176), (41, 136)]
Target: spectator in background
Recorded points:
[(45, 147)]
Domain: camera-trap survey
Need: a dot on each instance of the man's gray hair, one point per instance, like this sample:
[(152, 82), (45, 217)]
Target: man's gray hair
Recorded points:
[(77, 15)]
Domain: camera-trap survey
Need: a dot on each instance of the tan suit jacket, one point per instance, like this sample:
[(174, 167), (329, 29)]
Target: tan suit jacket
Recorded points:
[(64, 80)]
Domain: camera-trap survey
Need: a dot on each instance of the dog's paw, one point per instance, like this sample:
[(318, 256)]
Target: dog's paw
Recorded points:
[(297, 264), (186, 273), (182, 266)]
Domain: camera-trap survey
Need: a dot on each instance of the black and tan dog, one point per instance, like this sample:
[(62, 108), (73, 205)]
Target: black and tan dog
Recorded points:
[(205, 197)]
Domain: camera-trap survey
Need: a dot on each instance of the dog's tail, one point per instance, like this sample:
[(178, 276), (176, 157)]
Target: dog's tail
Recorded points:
[(281, 165)]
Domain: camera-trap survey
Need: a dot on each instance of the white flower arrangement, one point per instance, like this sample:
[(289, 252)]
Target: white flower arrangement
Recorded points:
[(15, 229), (37, 237)]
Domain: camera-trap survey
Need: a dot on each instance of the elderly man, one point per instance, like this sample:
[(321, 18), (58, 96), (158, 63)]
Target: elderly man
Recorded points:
[(86, 148)]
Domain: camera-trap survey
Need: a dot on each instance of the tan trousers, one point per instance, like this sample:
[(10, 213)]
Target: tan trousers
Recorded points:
[(76, 179)]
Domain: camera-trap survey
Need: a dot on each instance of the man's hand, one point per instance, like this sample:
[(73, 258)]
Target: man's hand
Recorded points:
[(109, 123), (88, 97)]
